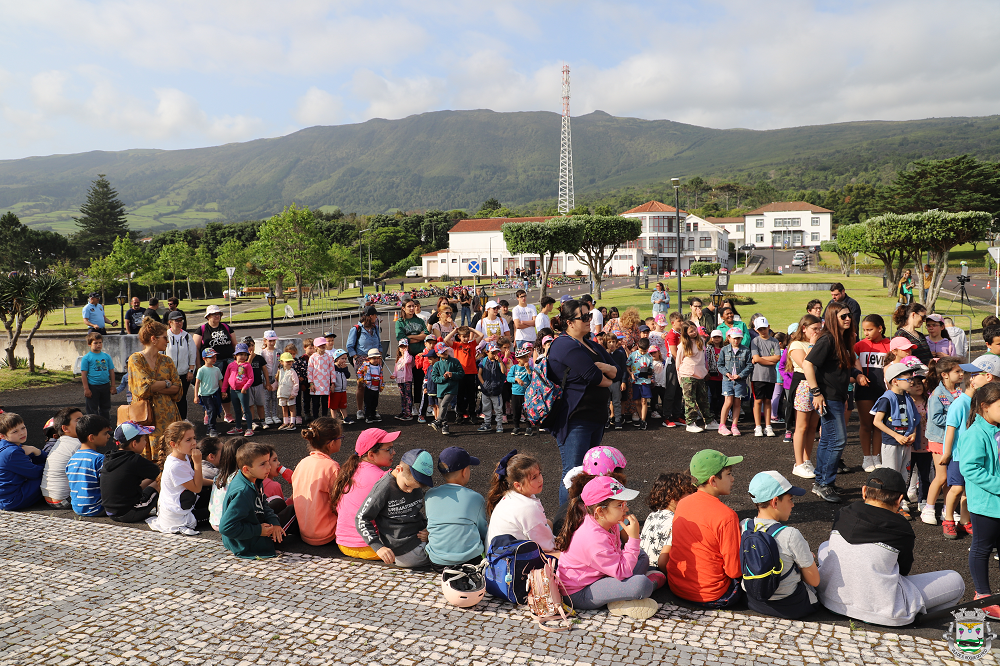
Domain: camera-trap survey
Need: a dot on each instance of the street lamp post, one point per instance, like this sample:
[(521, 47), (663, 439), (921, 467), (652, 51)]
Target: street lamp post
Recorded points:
[(121, 305), (361, 262), (676, 182), (271, 300)]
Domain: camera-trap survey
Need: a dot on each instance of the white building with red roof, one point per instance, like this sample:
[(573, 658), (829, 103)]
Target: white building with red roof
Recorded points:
[(656, 247), (781, 224)]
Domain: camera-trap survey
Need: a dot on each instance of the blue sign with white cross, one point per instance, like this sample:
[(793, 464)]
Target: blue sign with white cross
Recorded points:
[(474, 268)]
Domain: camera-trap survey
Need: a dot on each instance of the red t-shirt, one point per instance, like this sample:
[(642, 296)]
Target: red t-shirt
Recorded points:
[(465, 352), (705, 554), (673, 339), (872, 356)]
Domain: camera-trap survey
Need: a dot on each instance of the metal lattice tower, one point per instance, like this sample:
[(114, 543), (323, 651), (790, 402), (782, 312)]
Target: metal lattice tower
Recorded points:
[(566, 201)]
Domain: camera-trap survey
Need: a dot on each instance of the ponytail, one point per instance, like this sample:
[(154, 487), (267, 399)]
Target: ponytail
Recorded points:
[(984, 396), (345, 480), (513, 468), (939, 369), (321, 432)]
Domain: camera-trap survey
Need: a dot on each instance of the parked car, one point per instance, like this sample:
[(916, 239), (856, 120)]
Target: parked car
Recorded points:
[(415, 271), (799, 259)]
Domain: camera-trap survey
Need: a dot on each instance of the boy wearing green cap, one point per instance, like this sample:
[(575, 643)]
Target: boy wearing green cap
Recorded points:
[(704, 565)]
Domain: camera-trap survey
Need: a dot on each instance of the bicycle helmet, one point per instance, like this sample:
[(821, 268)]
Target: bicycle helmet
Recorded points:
[(465, 585)]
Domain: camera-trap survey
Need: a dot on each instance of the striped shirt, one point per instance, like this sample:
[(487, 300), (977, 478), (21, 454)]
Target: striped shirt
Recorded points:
[(83, 472)]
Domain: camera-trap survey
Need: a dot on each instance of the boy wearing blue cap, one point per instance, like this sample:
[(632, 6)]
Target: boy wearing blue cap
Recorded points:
[(795, 596), (492, 375), (456, 515), (391, 519), (208, 389), (129, 488)]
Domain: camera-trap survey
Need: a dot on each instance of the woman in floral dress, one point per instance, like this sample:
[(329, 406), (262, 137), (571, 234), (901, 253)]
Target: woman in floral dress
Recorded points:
[(153, 376)]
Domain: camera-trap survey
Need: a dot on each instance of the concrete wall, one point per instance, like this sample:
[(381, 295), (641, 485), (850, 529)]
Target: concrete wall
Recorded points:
[(768, 287)]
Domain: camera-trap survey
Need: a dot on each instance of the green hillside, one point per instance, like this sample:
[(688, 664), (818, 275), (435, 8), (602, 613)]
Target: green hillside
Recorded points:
[(457, 159)]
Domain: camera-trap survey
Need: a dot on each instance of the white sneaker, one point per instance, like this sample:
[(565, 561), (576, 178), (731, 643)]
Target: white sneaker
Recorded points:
[(360, 414), (694, 427), (927, 515), (957, 517), (911, 494), (270, 420), (904, 506), (803, 472), (768, 431), (877, 459), (868, 464), (810, 466), (415, 411), (758, 431), (655, 415), (714, 425), (635, 418), (640, 609)]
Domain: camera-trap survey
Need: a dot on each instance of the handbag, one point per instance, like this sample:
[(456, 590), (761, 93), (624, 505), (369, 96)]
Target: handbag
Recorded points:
[(141, 412)]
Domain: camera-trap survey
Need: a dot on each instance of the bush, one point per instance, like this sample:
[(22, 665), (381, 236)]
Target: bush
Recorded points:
[(704, 268), (444, 278), (579, 272), (739, 299)]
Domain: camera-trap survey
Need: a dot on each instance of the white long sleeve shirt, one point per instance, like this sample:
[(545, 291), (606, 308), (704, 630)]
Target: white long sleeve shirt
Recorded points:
[(181, 350)]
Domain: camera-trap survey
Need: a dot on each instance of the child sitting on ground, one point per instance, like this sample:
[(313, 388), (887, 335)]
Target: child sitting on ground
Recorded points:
[(180, 482), (129, 488), (55, 487), (373, 453), (272, 487), (512, 504), (83, 471), (456, 515), (864, 568), (391, 520), (795, 596), (249, 527), (313, 481), (21, 465), (211, 449), (594, 566), (227, 467), (704, 564), (656, 538)]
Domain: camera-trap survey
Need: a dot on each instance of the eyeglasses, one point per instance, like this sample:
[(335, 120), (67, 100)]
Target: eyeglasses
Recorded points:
[(845, 316), (391, 449), (584, 318), (905, 379)]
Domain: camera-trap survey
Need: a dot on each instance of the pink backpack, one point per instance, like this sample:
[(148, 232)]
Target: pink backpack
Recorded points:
[(545, 598)]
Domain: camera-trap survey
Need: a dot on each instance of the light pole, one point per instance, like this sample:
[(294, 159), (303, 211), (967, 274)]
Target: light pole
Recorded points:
[(121, 306), (676, 182), (271, 300), (361, 261)]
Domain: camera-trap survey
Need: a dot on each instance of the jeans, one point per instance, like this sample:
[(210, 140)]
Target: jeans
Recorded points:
[(581, 436), (831, 443), (241, 405), (99, 401), (212, 405), (466, 315)]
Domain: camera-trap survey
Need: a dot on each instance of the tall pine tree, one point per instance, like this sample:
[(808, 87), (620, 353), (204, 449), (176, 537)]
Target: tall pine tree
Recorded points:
[(102, 220)]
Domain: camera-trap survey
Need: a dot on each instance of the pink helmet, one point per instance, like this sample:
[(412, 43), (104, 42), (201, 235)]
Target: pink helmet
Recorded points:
[(465, 585), (602, 460)]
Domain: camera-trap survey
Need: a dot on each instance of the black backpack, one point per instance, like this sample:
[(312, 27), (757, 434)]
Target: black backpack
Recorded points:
[(760, 560)]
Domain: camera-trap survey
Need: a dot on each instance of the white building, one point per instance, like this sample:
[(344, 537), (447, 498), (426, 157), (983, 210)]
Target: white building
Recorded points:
[(482, 241), (781, 224)]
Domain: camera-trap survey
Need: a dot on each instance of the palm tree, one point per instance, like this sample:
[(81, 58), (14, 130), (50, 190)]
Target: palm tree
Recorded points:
[(44, 294), (13, 309)]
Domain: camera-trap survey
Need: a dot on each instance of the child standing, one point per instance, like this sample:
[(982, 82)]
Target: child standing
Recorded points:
[(238, 380), (423, 364), (270, 355), (618, 384), (249, 527), (403, 374), (920, 456), (691, 372), (640, 366), (261, 384), (287, 381), (320, 375), (447, 375), (83, 471), (896, 416), (303, 403), (97, 372), (429, 399), (512, 504), (492, 375), (937, 337), (464, 342), (735, 365), (456, 515), (765, 353), (129, 488), (313, 481), (656, 538), (519, 377), (714, 377), (21, 465), (338, 392), (948, 375), (180, 483), (55, 487), (208, 389), (870, 380), (373, 453), (370, 376)]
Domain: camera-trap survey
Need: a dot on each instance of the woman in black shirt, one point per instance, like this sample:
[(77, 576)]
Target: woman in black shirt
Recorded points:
[(909, 318)]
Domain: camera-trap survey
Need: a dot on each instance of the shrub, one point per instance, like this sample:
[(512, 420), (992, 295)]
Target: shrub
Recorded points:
[(444, 278), (579, 272), (704, 268)]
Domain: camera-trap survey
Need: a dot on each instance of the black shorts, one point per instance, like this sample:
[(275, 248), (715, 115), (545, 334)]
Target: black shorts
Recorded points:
[(763, 390)]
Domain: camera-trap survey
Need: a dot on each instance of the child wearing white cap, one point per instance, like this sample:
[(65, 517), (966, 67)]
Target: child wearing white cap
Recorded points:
[(270, 354), (765, 352), (735, 366)]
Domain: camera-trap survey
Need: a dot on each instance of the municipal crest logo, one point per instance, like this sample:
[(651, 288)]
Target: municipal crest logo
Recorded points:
[(969, 636)]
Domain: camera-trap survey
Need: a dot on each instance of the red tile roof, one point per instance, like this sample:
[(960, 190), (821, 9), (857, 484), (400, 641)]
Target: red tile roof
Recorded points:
[(725, 220), (788, 206), (431, 254), (492, 223), (652, 207)]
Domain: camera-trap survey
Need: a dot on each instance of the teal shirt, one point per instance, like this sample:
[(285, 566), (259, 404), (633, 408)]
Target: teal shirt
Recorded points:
[(244, 509), (981, 468), (456, 524), (724, 329), (210, 378), (98, 368), (447, 386)]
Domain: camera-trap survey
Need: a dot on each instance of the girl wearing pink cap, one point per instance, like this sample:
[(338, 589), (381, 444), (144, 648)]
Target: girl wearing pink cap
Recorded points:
[(372, 456), (320, 376)]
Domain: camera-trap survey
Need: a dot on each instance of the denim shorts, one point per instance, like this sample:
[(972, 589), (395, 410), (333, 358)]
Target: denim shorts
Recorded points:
[(642, 391), (736, 389), (955, 477)]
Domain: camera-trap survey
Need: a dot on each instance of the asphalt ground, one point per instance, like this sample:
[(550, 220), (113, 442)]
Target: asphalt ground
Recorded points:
[(648, 453)]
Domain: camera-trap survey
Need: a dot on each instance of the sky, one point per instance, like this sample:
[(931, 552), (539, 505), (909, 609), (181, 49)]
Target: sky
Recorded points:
[(81, 75)]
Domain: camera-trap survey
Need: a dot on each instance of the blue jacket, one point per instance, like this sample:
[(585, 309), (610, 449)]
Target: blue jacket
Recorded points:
[(360, 340), (493, 377), (20, 477), (244, 509), (739, 362), (937, 413), (981, 469)]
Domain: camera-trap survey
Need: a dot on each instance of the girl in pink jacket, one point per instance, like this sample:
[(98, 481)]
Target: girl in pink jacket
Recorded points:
[(595, 568), (404, 380)]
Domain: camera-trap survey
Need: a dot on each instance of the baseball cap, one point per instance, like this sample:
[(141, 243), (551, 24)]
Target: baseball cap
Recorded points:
[(319, 342), (765, 486), (887, 479), (211, 310), (526, 350), (330, 335), (735, 333), (988, 363), (708, 462), (374, 352), (454, 459), (606, 487), (430, 338), (564, 298), (702, 332), (368, 311), (900, 343), (337, 353), (97, 294), (654, 348), (441, 348), (205, 353), (644, 328), (129, 430), (491, 304), (421, 465), (894, 370), (175, 315), (247, 340), (286, 356), (430, 353), (936, 317), (547, 338), (602, 460), (760, 322), (492, 347), (660, 317), (403, 342), (716, 334), (242, 348), (793, 327), (913, 363), (372, 437), (270, 335)]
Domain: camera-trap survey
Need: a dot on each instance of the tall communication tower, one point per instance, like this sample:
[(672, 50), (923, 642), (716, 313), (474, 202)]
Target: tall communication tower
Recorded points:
[(566, 202)]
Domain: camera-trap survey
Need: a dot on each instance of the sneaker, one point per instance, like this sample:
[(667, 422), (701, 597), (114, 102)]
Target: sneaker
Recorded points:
[(658, 578), (378, 417), (639, 609), (255, 425), (694, 428), (607, 425), (878, 459), (992, 611), (444, 428), (788, 437), (404, 417), (868, 464), (714, 425), (803, 472), (957, 517), (928, 516), (669, 424), (655, 415), (635, 418), (758, 431), (268, 420), (842, 467), (248, 433), (484, 428), (415, 411), (768, 431), (734, 431), (724, 431), (433, 424), (904, 510), (776, 421), (528, 432), (948, 529), (810, 466), (643, 425), (499, 428), (911, 494), (619, 425), (826, 493), (212, 432), (360, 415), (965, 526), (421, 419), (515, 431), (235, 431), (369, 421), (187, 531)]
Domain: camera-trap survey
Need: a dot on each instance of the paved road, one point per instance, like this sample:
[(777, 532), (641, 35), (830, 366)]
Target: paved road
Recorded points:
[(648, 453)]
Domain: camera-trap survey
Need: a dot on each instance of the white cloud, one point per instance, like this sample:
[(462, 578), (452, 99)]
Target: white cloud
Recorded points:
[(318, 107), (398, 97)]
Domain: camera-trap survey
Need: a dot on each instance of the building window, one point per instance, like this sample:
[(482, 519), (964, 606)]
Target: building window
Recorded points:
[(760, 224), (454, 261), (815, 222), (760, 238), (814, 236), (706, 241), (690, 243), (496, 259), (672, 245), (444, 261), (739, 228), (788, 222)]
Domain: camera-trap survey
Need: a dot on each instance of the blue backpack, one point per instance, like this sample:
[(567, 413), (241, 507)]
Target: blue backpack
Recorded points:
[(509, 564), (760, 560)]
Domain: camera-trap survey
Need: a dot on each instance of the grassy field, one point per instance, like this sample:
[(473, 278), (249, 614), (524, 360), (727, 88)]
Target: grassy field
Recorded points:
[(975, 258), (12, 380)]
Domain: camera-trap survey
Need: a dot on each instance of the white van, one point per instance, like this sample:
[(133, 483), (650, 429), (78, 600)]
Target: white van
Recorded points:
[(415, 271)]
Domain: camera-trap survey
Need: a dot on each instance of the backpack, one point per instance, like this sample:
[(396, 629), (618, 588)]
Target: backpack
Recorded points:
[(545, 597), (760, 560), (541, 394), (509, 563)]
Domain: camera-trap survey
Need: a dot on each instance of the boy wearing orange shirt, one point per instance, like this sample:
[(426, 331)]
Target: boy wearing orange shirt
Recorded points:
[(464, 341), (704, 565)]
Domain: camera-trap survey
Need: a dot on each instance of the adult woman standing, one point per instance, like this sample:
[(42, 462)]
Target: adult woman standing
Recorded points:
[(445, 323), (152, 376), (909, 318), (578, 417), (414, 330), (660, 299), (799, 412), (828, 369)]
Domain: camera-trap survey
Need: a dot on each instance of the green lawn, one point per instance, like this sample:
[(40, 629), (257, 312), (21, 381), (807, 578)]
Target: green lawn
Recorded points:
[(21, 379), (978, 258)]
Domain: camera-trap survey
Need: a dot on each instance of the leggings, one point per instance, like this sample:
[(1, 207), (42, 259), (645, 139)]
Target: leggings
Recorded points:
[(790, 402), (608, 589), (776, 399), (417, 388), (985, 537), (923, 461), (319, 403), (406, 398), (518, 407)]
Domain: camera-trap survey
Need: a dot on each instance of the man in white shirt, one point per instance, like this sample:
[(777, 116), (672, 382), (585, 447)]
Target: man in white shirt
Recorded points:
[(524, 320), (542, 320), (596, 318)]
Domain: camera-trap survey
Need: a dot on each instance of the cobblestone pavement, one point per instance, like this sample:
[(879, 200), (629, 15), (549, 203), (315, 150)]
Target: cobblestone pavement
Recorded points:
[(77, 592)]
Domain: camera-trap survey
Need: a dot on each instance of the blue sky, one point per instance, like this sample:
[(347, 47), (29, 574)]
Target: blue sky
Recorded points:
[(79, 75)]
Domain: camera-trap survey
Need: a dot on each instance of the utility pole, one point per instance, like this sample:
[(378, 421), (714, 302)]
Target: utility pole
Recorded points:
[(566, 200)]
